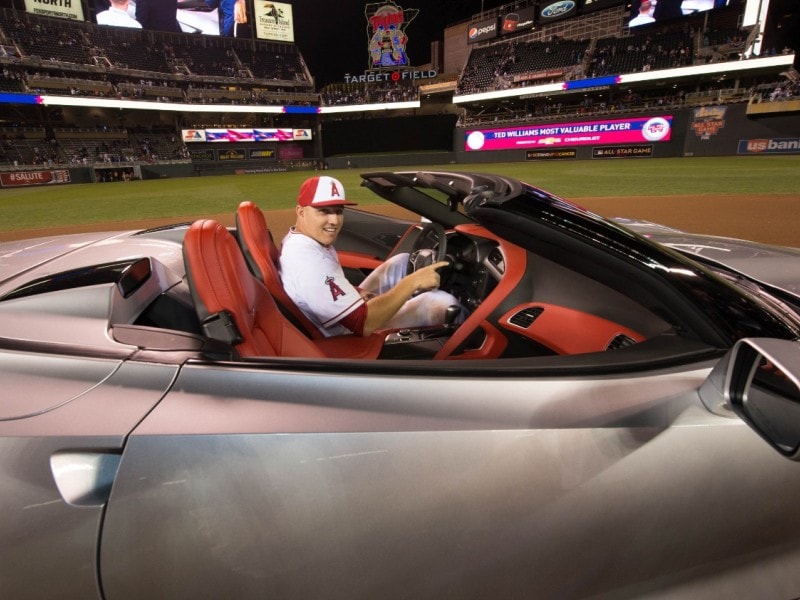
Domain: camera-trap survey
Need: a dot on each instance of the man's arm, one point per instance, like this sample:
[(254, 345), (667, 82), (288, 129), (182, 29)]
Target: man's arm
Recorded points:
[(382, 308), (239, 12)]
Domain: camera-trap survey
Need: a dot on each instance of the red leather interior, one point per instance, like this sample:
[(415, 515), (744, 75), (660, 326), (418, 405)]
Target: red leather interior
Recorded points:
[(516, 261), (356, 260), (262, 255), (567, 330), (494, 343), (220, 281)]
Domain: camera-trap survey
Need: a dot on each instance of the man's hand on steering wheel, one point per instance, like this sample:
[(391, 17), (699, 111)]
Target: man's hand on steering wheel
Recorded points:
[(429, 247), (427, 278)]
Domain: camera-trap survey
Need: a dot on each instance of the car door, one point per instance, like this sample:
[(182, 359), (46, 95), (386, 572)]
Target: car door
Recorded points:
[(302, 480), (63, 425)]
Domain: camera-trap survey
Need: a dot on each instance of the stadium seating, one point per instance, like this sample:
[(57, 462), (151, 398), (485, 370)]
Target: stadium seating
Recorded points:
[(643, 52), (53, 56), (52, 40)]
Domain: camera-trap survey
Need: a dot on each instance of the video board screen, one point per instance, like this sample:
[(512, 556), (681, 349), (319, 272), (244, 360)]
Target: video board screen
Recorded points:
[(593, 5), (644, 12), (208, 17), (578, 133), (246, 135)]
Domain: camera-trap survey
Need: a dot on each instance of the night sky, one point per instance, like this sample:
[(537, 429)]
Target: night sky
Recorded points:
[(332, 36)]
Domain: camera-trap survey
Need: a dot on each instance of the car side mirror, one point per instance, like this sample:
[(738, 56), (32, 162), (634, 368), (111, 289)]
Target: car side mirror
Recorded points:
[(762, 387)]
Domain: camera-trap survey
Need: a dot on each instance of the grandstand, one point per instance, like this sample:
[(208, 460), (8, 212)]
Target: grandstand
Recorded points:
[(102, 90)]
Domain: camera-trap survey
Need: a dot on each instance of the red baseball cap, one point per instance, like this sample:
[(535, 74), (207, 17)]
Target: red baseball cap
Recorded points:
[(322, 191)]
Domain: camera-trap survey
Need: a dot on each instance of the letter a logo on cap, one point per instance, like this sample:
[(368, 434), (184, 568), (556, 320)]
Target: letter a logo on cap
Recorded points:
[(322, 191), (334, 189)]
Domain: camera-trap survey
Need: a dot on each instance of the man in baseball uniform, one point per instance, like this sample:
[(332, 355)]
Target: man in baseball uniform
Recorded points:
[(315, 281)]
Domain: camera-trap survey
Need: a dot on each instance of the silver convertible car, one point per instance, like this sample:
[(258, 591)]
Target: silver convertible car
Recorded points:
[(611, 412)]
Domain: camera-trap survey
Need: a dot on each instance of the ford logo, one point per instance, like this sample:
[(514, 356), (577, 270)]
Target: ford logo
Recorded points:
[(557, 9)]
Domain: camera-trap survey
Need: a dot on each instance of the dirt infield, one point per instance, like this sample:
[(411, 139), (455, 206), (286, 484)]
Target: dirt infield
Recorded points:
[(771, 219)]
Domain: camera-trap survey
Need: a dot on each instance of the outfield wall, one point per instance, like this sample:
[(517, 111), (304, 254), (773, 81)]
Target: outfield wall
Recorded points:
[(372, 161), (724, 130), (395, 135), (728, 130)]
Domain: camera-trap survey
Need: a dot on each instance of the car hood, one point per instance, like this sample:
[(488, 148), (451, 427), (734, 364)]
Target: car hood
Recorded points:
[(773, 265)]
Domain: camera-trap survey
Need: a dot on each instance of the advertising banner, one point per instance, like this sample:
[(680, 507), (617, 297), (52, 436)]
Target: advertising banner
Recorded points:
[(231, 155), (202, 155), (537, 75), (582, 133), (290, 152), (65, 9), (622, 151), (770, 146), (34, 178), (517, 21), (561, 9), (262, 153), (551, 154), (193, 135), (274, 21), (707, 121), (482, 31)]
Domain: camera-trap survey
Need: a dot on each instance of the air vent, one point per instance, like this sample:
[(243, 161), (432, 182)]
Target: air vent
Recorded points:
[(620, 341), (526, 316)]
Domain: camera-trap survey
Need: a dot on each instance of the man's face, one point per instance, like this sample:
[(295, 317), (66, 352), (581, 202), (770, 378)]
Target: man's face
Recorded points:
[(322, 224)]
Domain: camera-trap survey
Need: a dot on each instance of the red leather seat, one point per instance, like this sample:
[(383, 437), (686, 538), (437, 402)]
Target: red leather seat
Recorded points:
[(232, 304), (235, 307), (259, 248), (263, 255)]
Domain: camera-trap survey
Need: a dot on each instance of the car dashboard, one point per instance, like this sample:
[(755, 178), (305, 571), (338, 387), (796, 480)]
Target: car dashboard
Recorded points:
[(477, 266)]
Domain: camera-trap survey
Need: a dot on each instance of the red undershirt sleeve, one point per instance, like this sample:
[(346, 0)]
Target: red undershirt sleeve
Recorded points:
[(356, 319)]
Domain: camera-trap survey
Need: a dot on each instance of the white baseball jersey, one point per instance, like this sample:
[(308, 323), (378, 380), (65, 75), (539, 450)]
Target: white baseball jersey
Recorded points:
[(315, 281)]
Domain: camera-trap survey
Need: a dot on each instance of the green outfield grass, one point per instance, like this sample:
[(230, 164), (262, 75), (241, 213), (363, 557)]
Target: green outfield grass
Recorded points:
[(188, 198)]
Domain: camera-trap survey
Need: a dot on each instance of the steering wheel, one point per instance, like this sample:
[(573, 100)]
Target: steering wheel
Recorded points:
[(429, 247)]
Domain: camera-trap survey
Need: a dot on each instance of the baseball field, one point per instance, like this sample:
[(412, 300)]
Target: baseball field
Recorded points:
[(755, 198)]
